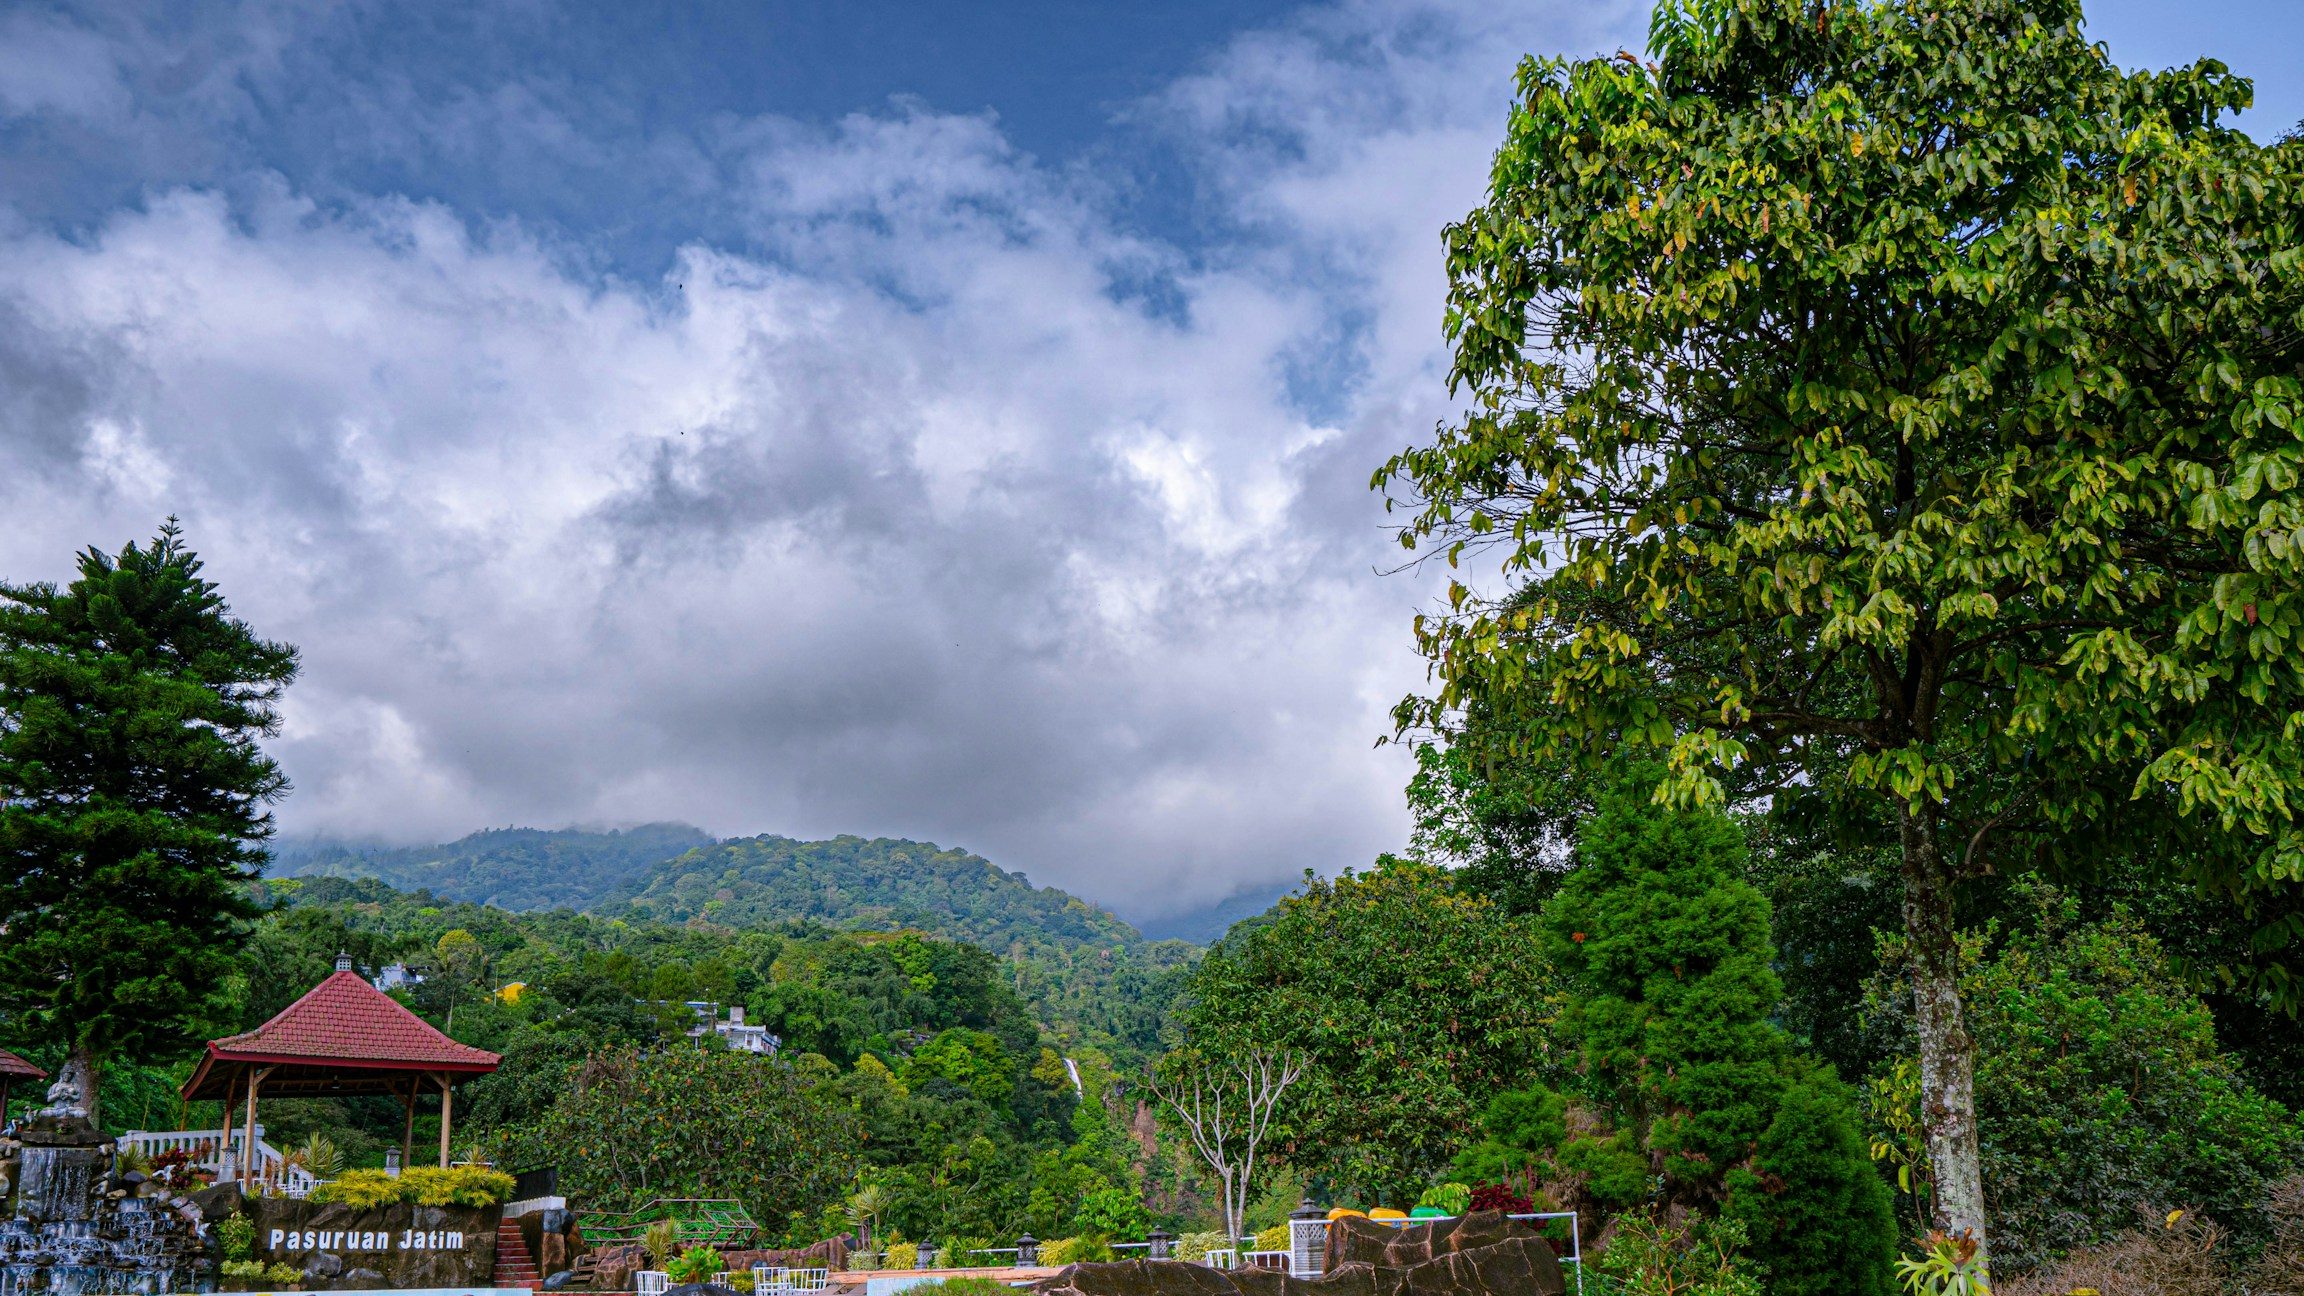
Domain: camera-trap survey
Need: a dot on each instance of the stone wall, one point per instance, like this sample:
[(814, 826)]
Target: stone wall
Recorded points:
[(352, 1248)]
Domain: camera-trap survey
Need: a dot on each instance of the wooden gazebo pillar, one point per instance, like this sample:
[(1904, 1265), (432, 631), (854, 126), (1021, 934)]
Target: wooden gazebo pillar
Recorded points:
[(447, 1105)]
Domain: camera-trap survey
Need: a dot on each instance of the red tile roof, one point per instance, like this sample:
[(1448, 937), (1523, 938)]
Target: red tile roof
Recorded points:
[(346, 1020), (13, 1067)]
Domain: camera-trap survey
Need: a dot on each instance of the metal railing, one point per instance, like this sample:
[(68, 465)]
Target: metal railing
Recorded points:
[(714, 1222)]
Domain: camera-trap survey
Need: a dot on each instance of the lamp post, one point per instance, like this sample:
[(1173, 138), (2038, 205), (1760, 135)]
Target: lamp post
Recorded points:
[(1027, 1251), (1307, 1240), (1158, 1244)]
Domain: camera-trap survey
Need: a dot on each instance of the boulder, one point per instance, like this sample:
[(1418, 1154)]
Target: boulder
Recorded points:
[(322, 1265), (1515, 1265), (562, 1280), (614, 1267), (219, 1201), (360, 1280)]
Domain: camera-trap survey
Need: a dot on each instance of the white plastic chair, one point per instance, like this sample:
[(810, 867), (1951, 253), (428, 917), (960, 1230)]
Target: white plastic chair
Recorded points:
[(1221, 1258), (651, 1282), (767, 1280), (807, 1280)]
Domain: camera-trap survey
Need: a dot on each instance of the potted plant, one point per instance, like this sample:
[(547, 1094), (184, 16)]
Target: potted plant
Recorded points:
[(694, 1265)]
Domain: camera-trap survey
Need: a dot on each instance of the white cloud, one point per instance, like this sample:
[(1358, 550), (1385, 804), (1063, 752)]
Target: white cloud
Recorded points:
[(905, 519)]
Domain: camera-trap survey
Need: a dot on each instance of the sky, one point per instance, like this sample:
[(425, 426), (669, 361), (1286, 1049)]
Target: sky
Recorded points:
[(940, 420)]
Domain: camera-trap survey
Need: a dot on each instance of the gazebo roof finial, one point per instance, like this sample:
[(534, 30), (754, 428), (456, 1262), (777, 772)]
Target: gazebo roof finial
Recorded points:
[(343, 961)]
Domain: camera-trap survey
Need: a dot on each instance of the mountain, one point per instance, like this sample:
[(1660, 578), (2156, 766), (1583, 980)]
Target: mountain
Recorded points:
[(1207, 924), (866, 884), (510, 868)]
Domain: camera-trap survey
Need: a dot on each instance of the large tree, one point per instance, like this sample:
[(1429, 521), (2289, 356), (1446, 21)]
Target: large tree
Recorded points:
[(1411, 999), (1896, 405), (133, 797)]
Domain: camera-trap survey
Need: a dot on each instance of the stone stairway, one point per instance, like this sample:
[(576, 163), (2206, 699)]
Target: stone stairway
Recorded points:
[(514, 1267)]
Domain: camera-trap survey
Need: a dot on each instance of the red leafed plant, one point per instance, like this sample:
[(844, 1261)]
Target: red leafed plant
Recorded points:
[(1500, 1197)]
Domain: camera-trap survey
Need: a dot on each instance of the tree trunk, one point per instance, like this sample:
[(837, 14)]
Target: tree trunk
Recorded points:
[(83, 1068), (1947, 1052)]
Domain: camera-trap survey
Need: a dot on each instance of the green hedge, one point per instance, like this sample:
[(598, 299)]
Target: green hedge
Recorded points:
[(423, 1186)]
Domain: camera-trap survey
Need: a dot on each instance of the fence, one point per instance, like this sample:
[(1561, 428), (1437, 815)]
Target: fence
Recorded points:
[(218, 1152)]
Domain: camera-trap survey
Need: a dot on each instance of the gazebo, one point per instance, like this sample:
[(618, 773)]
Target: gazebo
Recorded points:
[(344, 1038), (13, 1069)]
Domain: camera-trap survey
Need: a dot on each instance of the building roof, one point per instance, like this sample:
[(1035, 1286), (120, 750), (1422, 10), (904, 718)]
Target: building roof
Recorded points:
[(342, 1029), (13, 1067)]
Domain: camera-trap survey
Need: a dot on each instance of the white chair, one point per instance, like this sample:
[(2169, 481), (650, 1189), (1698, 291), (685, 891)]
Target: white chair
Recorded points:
[(1267, 1260), (651, 1282), (807, 1280), (1221, 1258), (767, 1280)]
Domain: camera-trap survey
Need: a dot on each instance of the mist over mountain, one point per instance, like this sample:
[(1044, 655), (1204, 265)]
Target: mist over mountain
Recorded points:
[(518, 869)]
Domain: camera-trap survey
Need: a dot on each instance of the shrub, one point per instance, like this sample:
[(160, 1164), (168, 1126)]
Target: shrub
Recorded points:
[(365, 1189), (1112, 1212), (455, 1186), (1698, 1258), (1196, 1246), (1276, 1238), (1811, 1201), (418, 1186), (1500, 1197), (741, 1281), (694, 1265), (237, 1234), (661, 1241), (2100, 1084), (961, 1287), (1453, 1198), (2281, 1267), (282, 1275), (1078, 1250), (243, 1275), (2176, 1253), (901, 1255)]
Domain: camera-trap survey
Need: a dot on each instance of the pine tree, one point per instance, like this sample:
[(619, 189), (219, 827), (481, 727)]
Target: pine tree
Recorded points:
[(133, 801), (1705, 1101)]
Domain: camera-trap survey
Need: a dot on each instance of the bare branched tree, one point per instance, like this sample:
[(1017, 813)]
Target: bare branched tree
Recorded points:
[(1226, 1108)]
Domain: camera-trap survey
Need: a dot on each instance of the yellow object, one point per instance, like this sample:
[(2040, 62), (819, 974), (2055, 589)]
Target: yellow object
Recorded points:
[(1342, 1211), (1387, 1213), (512, 991)]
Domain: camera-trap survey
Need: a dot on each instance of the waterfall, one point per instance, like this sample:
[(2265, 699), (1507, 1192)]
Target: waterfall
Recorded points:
[(1072, 1069)]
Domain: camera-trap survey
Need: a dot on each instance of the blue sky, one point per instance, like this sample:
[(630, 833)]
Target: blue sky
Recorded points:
[(932, 419)]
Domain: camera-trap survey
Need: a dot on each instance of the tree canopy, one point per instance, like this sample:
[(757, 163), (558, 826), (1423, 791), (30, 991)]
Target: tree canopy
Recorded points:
[(133, 802), (1893, 405)]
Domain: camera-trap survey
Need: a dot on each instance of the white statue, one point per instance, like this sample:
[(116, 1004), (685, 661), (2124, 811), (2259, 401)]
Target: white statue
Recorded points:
[(64, 1102)]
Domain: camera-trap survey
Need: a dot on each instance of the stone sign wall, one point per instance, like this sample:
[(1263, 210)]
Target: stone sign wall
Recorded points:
[(358, 1248)]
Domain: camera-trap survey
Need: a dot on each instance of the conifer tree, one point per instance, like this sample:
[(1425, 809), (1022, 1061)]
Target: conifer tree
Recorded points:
[(1704, 1103), (133, 799)]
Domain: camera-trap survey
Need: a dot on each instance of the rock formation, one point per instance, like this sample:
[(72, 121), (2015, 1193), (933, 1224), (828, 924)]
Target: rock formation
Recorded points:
[(1482, 1254)]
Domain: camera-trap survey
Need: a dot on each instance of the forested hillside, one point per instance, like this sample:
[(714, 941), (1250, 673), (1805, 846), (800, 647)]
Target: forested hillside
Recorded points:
[(868, 884), (932, 1067), (511, 868)]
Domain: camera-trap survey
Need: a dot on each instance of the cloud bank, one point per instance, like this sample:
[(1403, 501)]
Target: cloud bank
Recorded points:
[(934, 489)]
